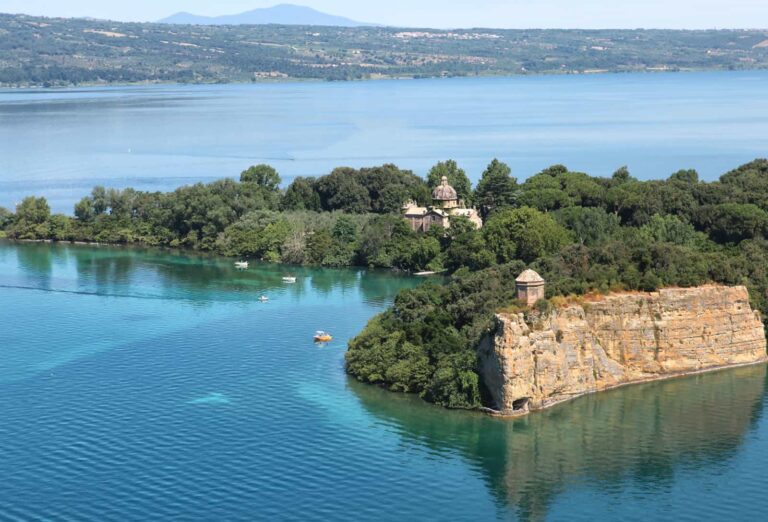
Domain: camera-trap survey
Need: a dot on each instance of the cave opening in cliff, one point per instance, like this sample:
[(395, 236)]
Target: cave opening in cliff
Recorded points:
[(521, 404)]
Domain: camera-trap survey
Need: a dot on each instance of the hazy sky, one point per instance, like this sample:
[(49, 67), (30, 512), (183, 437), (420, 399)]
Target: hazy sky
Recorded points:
[(694, 14)]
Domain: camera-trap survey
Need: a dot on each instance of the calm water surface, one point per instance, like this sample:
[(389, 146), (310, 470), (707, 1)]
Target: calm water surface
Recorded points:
[(140, 385), (61, 143)]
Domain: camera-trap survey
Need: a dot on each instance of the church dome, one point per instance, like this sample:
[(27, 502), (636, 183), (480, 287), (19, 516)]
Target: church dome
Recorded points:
[(444, 192)]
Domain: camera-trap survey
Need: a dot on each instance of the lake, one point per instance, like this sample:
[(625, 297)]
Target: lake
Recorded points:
[(145, 384), (60, 143)]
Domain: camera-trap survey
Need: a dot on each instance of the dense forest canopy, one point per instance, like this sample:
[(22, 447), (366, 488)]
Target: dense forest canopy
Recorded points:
[(581, 233), (55, 51)]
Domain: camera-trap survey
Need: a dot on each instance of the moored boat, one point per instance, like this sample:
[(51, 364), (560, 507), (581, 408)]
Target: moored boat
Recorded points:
[(323, 337), (289, 279), (241, 265)]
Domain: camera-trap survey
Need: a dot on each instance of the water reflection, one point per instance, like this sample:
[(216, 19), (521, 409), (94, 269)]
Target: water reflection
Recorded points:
[(174, 274), (640, 434), (36, 261)]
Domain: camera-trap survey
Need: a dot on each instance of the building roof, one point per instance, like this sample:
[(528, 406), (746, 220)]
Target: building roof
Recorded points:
[(416, 211), (444, 192), (423, 211), (529, 276)]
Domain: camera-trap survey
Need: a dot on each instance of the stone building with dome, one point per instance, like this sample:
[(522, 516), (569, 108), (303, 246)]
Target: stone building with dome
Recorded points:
[(445, 205)]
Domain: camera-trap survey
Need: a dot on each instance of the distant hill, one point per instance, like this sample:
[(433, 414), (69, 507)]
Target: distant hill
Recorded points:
[(284, 14), (37, 51)]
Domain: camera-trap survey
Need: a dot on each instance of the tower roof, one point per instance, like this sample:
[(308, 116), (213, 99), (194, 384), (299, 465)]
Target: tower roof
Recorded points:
[(444, 192), (529, 276)]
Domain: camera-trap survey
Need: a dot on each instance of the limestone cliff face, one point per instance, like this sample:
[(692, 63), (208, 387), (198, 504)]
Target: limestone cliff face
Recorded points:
[(618, 339)]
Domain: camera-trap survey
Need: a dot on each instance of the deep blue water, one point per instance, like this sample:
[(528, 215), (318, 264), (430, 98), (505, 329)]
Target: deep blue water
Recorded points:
[(149, 385), (60, 143)]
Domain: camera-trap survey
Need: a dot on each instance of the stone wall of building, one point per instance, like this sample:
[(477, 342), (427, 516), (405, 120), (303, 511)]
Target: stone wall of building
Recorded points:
[(618, 339)]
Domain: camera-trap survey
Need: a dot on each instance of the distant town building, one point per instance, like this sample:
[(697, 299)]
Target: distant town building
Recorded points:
[(530, 287), (445, 205)]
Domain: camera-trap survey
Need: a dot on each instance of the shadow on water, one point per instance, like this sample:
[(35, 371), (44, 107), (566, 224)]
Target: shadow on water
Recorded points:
[(176, 274), (640, 435)]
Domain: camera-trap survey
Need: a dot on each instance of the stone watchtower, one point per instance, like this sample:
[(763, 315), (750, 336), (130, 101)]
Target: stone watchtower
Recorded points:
[(530, 287)]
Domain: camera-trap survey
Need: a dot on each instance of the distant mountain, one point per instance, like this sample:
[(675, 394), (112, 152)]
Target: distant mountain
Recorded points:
[(284, 14)]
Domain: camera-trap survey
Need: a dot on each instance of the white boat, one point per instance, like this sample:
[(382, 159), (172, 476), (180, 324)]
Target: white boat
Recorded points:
[(241, 265), (289, 279), (263, 298)]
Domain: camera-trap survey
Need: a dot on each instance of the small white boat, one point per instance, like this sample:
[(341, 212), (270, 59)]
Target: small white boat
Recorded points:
[(263, 298), (289, 279), (241, 265)]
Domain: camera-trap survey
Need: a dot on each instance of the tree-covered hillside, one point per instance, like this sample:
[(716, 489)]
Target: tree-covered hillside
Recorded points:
[(54, 51), (582, 234)]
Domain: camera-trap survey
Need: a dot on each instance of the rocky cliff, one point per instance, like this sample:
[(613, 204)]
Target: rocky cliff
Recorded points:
[(618, 339)]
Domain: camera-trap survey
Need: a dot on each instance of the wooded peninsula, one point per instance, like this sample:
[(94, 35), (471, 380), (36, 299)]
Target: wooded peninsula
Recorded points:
[(38, 51), (581, 233)]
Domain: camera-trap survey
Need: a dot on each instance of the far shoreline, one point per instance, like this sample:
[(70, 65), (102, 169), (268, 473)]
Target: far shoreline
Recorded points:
[(380, 79)]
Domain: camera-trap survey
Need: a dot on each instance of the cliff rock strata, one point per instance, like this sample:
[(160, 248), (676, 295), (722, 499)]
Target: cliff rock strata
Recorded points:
[(615, 340)]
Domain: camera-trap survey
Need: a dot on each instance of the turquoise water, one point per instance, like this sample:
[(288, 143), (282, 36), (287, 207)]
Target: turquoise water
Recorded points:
[(60, 143), (139, 384)]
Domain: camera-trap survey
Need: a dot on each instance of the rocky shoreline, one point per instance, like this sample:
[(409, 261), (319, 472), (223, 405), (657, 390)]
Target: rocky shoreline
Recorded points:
[(616, 340)]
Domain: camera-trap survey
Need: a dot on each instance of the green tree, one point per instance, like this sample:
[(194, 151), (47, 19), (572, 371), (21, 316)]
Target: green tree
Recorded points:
[(468, 250), (84, 210), (33, 211), (341, 190), (688, 176), (621, 176), (6, 218), (262, 175), (496, 188), (523, 233), (590, 226), (457, 178), (671, 229), (732, 222), (301, 195)]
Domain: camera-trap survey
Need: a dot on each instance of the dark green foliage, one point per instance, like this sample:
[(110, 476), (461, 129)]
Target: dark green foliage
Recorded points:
[(496, 188), (262, 175), (732, 222), (588, 226), (688, 176), (31, 220), (6, 217), (381, 190), (556, 187), (425, 343), (523, 233), (457, 178), (301, 195), (342, 190), (388, 241)]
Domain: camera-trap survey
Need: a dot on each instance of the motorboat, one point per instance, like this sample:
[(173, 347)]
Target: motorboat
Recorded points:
[(289, 279), (263, 298), (323, 337), (241, 265)]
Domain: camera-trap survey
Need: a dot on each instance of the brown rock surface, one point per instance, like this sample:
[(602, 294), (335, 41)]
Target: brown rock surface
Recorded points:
[(618, 339)]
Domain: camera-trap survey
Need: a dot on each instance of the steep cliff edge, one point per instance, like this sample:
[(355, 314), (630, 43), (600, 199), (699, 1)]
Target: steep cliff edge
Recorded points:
[(618, 339)]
